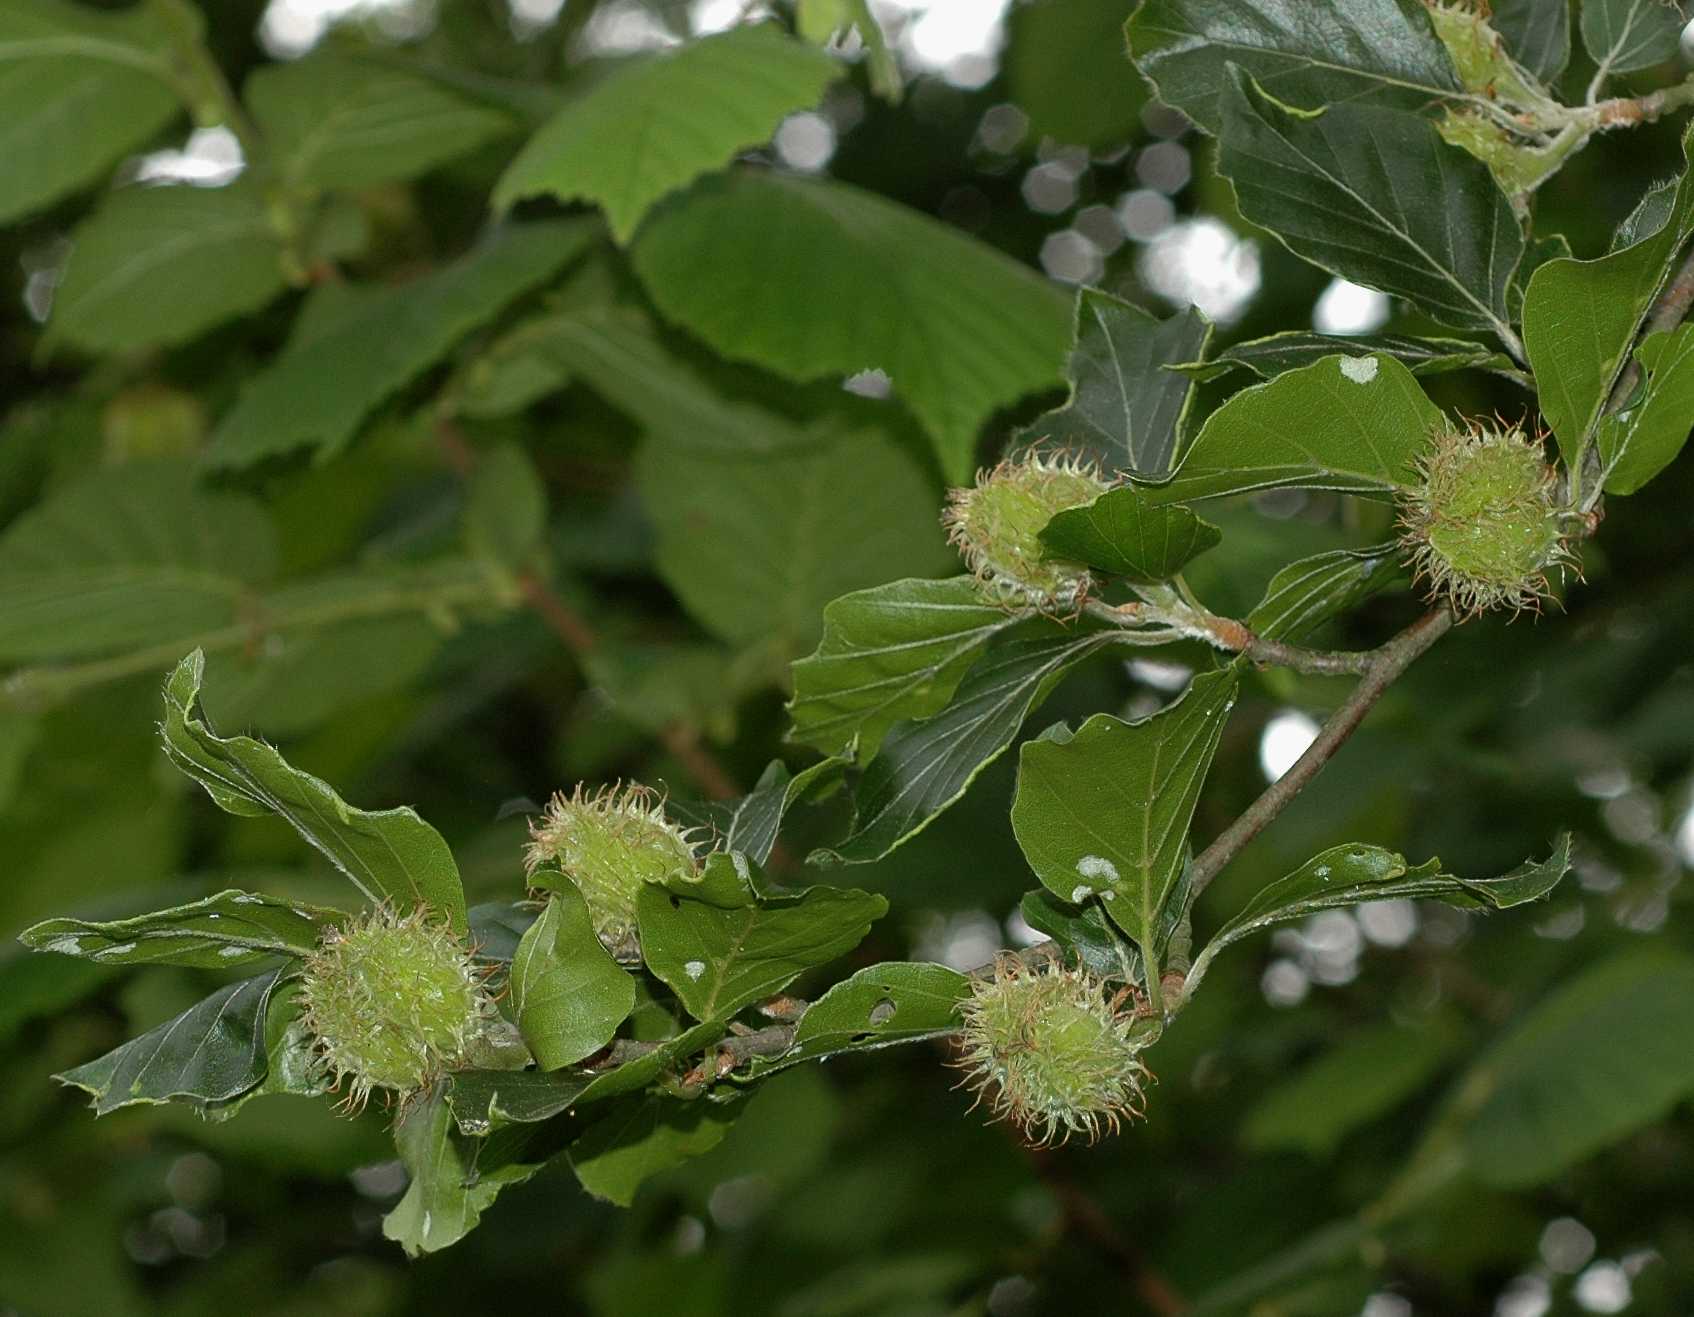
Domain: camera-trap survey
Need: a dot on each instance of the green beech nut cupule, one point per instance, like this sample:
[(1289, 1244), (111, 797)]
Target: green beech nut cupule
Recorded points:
[(996, 525), (1483, 529), (391, 1001), (1050, 1051), (609, 843)]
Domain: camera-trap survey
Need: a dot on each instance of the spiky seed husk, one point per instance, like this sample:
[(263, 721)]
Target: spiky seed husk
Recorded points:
[(391, 1002), (1482, 528), (996, 526), (609, 843), (1049, 1051)]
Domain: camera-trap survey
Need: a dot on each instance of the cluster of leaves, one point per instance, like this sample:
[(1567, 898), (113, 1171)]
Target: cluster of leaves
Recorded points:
[(714, 304)]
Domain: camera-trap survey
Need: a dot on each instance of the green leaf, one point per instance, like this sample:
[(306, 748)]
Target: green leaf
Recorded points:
[(1638, 443), (1126, 409), (719, 960), (1106, 811), (19, 734), (1123, 533), (446, 1197), (1355, 424), (1364, 1076), (79, 90), (125, 558), (33, 987), (155, 266), (505, 507), (568, 995), (1537, 34), (1348, 875), (1052, 50), (390, 855), (881, 1006), (632, 1076), (750, 825), (755, 549), (639, 1140), (659, 123), (1374, 195), (892, 652), (229, 929), (318, 391), (1625, 35), (745, 261), (927, 764), (1306, 594), (1312, 52), (1270, 357), (1580, 318), (334, 122), (1603, 1056), (212, 1052), (1086, 932)]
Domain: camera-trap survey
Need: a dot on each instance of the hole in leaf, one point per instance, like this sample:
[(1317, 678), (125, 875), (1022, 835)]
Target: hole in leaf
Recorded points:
[(862, 1037)]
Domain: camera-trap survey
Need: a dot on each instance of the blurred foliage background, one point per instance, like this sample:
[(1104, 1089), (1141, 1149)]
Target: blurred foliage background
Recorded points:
[(1290, 1096)]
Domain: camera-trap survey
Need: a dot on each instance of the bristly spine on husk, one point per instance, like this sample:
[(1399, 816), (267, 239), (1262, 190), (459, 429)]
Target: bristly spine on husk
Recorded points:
[(1483, 528), (996, 526), (1052, 1051), (610, 842)]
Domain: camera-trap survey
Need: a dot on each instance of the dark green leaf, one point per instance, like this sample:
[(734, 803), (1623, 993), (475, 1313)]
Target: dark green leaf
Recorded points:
[(1309, 52), (446, 1197), (892, 652), (1306, 594), (1374, 195), (642, 1138), (1085, 932), (496, 928), (719, 960), (1053, 49), (1126, 409), (319, 390), (505, 507), (212, 1052), (1537, 34), (1270, 357), (568, 995), (229, 929), (744, 262), (1355, 424), (1637, 444), (926, 765), (1625, 35), (1106, 811), (1124, 533), (750, 825), (1603, 1056), (659, 123), (390, 855), (880, 1006)]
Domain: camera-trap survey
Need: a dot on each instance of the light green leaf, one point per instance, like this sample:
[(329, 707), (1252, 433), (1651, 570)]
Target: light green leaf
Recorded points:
[(1364, 1076), (1105, 811), (1537, 34), (390, 855), (720, 960), (1053, 49), (447, 1196), (229, 929), (1355, 424), (1306, 594), (128, 557), (505, 507), (568, 995), (926, 765), (755, 549), (659, 123), (881, 1006), (1637, 444), (1309, 52), (746, 261), (642, 1138), (1348, 875), (821, 21), (212, 1052), (1124, 533), (318, 391), (892, 652), (1625, 35), (1270, 357), (1604, 1055), (79, 90), (160, 265), (1126, 408), (1580, 318), (1374, 195), (334, 122)]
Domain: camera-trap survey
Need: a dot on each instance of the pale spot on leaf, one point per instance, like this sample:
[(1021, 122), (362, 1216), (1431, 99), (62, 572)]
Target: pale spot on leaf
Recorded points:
[(1361, 370)]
